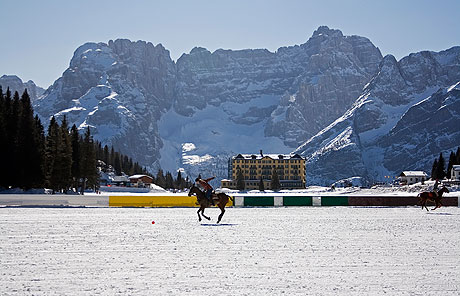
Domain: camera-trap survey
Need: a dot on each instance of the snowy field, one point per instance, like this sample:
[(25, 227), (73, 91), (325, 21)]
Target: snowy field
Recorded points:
[(256, 251)]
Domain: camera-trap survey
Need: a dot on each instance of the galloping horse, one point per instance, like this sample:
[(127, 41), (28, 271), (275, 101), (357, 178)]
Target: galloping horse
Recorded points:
[(220, 199), (431, 196)]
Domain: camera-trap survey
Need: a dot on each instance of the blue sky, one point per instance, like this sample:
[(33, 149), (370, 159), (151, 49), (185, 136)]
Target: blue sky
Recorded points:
[(39, 37)]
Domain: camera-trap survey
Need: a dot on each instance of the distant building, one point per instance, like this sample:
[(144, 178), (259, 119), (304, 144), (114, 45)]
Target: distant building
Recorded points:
[(289, 167), (412, 177), (141, 180), (455, 173), (120, 181)]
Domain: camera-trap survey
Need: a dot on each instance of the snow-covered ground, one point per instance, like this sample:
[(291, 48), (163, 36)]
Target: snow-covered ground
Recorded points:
[(256, 251)]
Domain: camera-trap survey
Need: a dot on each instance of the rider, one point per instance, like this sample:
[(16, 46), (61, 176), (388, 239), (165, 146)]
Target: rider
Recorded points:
[(435, 188), (207, 188)]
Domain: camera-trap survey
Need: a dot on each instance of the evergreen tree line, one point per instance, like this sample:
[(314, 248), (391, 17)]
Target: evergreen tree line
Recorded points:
[(167, 181), (118, 162), (61, 160), (438, 170)]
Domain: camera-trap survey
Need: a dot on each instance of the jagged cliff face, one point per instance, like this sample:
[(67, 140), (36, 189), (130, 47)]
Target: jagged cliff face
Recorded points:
[(120, 89), (16, 84), (315, 82), (129, 92), (335, 70), (405, 116)]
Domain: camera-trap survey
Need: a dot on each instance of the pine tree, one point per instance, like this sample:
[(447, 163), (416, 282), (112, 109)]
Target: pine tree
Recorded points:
[(117, 163), (28, 161), (3, 139), (112, 156), (275, 182), (457, 156), (125, 164), (105, 155), (169, 181), (13, 132), (261, 184), (38, 171), (10, 129), (160, 179), (52, 144), (64, 157), (75, 140), (180, 182), (90, 174), (240, 184), (440, 169)]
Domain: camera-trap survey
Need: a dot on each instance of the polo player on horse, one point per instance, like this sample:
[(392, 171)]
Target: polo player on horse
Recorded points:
[(207, 188)]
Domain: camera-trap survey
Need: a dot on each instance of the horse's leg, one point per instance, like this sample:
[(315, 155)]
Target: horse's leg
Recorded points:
[(424, 204), (222, 211), (198, 212), (202, 213)]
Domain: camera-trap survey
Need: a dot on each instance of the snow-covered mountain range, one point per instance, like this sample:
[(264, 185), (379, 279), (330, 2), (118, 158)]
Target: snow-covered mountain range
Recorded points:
[(334, 99), (406, 115)]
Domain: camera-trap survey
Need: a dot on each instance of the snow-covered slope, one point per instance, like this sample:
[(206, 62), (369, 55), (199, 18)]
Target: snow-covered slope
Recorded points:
[(405, 116)]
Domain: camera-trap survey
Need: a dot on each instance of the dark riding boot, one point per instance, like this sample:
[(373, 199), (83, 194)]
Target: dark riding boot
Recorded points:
[(212, 201)]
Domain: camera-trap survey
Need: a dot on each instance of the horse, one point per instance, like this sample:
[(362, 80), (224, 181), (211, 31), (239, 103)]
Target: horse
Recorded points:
[(220, 199), (431, 196)]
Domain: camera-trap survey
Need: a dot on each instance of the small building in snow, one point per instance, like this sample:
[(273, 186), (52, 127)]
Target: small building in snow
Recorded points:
[(455, 173), (412, 177), (120, 181), (141, 180)]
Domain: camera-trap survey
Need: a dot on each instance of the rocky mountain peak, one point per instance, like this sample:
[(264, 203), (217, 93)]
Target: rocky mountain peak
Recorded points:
[(325, 31), (16, 84)]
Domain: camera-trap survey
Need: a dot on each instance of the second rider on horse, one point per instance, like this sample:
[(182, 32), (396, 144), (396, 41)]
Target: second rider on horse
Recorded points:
[(207, 188)]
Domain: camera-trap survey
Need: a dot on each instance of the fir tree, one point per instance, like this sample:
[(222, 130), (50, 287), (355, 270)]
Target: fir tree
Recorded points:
[(64, 157), (105, 155), (180, 182), (240, 184), (117, 163), (457, 156), (261, 184), (160, 179), (75, 140), (169, 181), (38, 170), (13, 131), (440, 169), (52, 144), (90, 174), (275, 181), (28, 161), (3, 139)]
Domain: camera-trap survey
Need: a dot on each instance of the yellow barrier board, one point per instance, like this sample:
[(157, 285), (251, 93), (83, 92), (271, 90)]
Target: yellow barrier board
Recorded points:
[(154, 201)]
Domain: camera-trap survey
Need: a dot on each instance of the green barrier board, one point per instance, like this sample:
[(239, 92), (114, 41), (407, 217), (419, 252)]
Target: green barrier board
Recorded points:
[(334, 201), (297, 201)]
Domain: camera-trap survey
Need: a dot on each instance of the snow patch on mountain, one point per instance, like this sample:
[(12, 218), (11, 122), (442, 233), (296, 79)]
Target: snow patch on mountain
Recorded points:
[(203, 142)]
